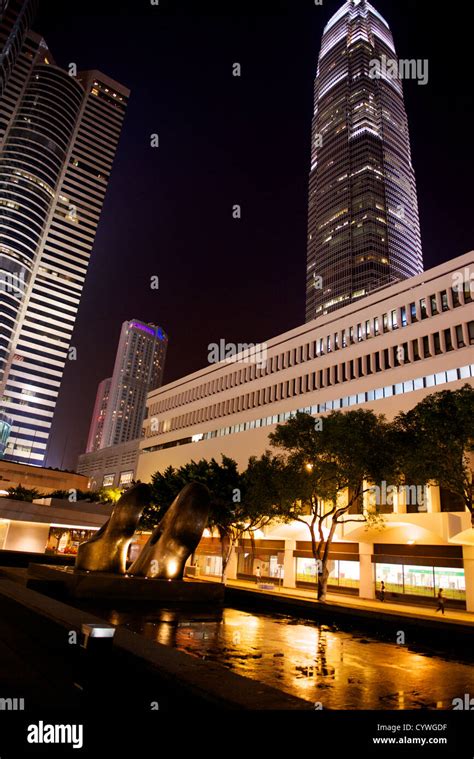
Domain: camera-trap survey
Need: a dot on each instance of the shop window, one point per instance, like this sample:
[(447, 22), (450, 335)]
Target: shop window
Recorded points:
[(452, 581), (418, 581), (391, 575)]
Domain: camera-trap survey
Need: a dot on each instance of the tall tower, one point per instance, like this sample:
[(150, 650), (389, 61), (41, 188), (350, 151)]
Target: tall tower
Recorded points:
[(15, 20), (138, 369), (96, 429), (363, 228), (58, 138)]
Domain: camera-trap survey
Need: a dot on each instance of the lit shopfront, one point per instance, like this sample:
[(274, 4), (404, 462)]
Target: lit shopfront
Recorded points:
[(208, 558), (264, 558), (420, 571), (343, 564), (66, 541)]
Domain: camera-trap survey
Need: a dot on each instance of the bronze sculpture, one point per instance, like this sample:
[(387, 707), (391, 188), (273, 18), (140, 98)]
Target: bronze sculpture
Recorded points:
[(168, 548), (107, 550), (176, 537)]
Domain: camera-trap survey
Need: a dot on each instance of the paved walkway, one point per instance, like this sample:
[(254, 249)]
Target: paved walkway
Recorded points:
[(336, 599)]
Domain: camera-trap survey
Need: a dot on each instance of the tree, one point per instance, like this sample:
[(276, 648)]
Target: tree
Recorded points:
[(241, 503), (224, 484), (19, 493), (338, 459), (440, 430)]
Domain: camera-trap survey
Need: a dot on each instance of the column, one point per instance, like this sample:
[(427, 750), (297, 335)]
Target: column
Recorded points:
[(367, 583), (231, 569), (434, 499), (289, 565), (400, 501), (468, 559)]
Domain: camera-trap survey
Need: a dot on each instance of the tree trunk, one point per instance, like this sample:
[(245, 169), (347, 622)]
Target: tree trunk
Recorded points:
[(324, 576)]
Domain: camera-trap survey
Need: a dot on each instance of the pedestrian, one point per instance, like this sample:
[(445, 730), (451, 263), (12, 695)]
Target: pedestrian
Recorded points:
[(258, 574), (440, 606), (382, 591)]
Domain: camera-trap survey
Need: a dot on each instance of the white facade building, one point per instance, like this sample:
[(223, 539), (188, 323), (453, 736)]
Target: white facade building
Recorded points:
[(387, 353)]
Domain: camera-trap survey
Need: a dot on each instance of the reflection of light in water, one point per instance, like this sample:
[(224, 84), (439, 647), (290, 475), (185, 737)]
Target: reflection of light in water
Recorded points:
[(340, 670)]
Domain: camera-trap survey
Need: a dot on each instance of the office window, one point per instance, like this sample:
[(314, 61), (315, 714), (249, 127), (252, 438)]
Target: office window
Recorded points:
[(470, 329), (394, 320), (468, 290), (385, 323), (126, 478), (416, 350), (444, 301), (376, 326), (448, 340), (459, 337), (403, 316), (423, 309), (437, 344), (455, 297), (359, 333), (367, 329), (413, 315), (433, 305), (426, 347)]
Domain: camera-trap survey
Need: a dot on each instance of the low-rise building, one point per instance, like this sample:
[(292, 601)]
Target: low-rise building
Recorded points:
[(114, 466), (385, 353)]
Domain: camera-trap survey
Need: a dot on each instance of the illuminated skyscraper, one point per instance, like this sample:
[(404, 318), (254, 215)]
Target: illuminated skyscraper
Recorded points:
[(94, 439), (15, 20), (363, 229), (58, 138), (138, 369)]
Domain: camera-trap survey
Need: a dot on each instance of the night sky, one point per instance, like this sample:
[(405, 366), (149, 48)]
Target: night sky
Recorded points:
[(225, 141)]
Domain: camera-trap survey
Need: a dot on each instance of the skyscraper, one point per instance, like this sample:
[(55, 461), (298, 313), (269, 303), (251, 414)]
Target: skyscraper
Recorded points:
[(58, 138), (94, 439), (138, 369), (15, 20), (363, 228)]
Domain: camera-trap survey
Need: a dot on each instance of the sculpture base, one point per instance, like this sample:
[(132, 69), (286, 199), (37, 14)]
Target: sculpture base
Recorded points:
[(102, 585)]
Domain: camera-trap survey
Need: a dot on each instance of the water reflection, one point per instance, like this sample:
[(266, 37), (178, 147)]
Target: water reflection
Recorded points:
[(340, 669)]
